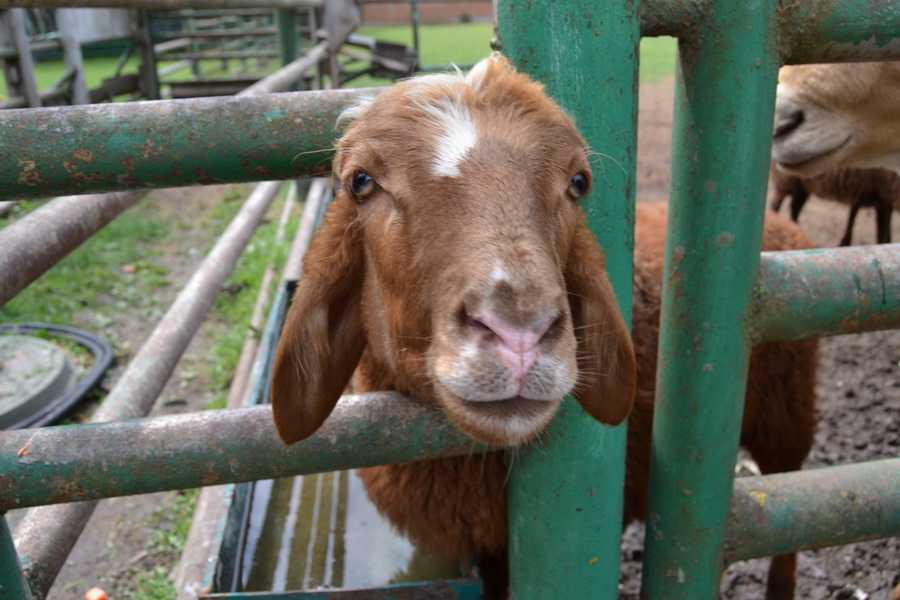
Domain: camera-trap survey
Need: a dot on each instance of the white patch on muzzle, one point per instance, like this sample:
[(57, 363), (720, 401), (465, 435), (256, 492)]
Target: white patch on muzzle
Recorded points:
[(476, 374)]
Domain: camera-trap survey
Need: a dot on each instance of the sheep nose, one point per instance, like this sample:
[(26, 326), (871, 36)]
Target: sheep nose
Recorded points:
[(516, 345), (788, 117)]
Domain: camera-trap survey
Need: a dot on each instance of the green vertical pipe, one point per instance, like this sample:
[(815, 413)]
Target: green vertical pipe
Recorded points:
[(12, 582), (566, 499), (724, 101), (287, 35)]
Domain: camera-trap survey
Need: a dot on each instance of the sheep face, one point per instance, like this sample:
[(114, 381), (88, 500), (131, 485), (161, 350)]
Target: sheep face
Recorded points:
[(837, 115), (456, 257)]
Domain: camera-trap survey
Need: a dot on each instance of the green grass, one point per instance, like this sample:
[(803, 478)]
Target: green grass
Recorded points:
[(95, 71), (460, 44), (173, 522), (465, 44), (657, 58), (100, 68), (116, 267), (153, 585)]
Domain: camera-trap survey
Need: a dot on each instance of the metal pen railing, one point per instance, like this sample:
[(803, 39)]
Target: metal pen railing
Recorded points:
[(725, 297)]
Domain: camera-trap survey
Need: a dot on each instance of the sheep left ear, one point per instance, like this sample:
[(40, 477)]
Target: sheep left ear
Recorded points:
[(606, 363), (322, 339)]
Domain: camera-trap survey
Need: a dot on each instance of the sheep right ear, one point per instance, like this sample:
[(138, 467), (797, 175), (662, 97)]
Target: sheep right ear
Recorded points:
[(606, 387), (322, 340)]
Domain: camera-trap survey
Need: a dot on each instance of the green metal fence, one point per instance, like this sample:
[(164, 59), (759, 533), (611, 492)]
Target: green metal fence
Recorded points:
[(729, 54)]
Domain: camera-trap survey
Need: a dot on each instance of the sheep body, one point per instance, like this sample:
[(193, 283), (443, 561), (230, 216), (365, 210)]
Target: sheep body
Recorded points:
[(457, 506), (857, 188)]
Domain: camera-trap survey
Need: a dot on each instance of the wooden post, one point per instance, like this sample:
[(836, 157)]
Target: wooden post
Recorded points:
[(20, 72), (73, 59), (149, 76)]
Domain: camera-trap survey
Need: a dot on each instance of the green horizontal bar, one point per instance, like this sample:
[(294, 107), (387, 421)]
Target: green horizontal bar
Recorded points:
[(814, 508), (117, 146), (452, 589), (812, 293), (839, 30), (88, 462), (809, 31), (773, 514)]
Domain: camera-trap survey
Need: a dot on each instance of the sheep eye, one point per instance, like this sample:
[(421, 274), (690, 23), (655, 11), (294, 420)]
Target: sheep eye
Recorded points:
[(361, 184), (579, 185)]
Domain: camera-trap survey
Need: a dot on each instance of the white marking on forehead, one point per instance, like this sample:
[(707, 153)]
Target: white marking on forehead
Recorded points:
[(456, 135)]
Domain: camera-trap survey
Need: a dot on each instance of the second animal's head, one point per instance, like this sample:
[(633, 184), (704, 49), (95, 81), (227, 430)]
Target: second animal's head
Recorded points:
[(837, 115), (455, 262)]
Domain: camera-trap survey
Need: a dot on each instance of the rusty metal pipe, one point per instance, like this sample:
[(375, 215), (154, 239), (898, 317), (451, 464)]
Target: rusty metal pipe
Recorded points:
[(37, 241), (108, 147), (88, 462), (812, 293), (45, 535), (813, 508), (774, 514)]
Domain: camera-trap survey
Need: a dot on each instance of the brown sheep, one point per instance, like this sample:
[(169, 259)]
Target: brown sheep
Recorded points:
[(858, 188), (455, 265)]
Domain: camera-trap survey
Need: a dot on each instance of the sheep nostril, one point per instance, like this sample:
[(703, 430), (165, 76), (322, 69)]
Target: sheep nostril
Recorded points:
[(478, 325)]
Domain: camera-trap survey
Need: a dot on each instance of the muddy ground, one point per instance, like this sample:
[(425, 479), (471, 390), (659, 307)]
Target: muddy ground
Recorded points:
[(859, 405)]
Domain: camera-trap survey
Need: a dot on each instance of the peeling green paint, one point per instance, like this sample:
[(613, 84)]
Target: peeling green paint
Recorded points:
[(725, 90)]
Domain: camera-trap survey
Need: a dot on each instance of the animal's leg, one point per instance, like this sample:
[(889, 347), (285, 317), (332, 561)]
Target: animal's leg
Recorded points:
[(798, 199), (851, 220), (777, 201), (780, 437), (883, 213), (782, 569), (494, 571)]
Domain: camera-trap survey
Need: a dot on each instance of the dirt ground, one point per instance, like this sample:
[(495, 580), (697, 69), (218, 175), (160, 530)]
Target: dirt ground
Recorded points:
[(859, 406)]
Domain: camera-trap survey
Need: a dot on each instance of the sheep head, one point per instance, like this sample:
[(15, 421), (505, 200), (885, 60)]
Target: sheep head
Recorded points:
[(837, 115), (456, 257)]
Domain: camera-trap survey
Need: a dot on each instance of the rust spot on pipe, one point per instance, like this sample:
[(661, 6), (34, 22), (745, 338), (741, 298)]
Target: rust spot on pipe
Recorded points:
[(151, 151), (29, 175), (83, 154)]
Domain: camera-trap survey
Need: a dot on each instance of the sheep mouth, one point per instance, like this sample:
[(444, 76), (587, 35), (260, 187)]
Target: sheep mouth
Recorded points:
[(517, 406), (509, 422), (804, 163)]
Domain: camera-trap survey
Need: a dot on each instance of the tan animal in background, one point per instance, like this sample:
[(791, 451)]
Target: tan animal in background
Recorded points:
[(837, 115), (455, 265)]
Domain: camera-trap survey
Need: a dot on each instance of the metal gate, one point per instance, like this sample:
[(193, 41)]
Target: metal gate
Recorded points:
[(720, 296)]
